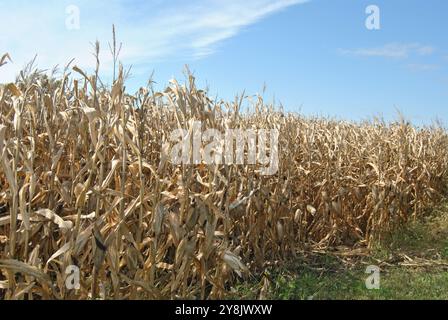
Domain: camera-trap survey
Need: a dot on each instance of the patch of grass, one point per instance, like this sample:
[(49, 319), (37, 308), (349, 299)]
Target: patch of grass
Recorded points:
[(426, 237), (413, 262), (394, 284)]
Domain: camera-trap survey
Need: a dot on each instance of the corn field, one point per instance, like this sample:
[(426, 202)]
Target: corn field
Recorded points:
[(86, 181)]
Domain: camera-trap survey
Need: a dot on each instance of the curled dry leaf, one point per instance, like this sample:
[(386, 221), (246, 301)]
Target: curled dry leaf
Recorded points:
[(234, 262), (50, 215)]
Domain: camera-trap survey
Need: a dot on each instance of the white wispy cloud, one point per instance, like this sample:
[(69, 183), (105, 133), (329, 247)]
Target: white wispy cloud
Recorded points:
[(391, 50), (150, 30), (417, 67)]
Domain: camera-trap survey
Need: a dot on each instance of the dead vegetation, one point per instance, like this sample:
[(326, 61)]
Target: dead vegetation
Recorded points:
[(86, 180)]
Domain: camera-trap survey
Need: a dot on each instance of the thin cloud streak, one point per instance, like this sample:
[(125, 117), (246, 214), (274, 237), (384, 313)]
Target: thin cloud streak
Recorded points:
[(419, 67), (392, 50)]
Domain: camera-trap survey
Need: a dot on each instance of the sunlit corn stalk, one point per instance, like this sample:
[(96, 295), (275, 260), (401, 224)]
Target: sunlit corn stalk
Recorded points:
[(18, 109)]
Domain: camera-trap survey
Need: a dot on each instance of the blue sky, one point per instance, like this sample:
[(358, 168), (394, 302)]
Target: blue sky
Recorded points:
[(316, 57)]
